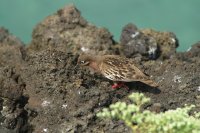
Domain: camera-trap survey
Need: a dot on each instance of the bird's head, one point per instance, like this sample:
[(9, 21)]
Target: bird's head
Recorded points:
[(84, 60)]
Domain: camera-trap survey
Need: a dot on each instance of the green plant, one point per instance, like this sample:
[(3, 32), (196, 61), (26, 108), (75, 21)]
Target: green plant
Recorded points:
[(145, 121)]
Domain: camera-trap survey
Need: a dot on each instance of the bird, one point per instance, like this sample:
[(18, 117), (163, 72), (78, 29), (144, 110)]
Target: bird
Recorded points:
[(116, 68)]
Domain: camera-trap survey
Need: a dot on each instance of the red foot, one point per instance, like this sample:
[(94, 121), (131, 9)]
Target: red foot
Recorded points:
[(119, 85)]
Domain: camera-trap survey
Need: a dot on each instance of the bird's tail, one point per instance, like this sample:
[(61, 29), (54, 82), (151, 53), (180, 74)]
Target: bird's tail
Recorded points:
[(150, 83)]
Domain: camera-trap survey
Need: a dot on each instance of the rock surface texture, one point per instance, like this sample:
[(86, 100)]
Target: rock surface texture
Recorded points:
[(42, 89)]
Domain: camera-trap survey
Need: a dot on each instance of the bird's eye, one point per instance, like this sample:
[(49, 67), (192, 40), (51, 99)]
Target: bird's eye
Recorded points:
[(82, 62)]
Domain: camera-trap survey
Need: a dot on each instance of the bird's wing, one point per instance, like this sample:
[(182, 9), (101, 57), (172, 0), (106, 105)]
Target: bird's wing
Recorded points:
[(121, 69)]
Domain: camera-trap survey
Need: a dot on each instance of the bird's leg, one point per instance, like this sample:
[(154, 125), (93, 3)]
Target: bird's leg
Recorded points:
[(115, 86), (119, 85)]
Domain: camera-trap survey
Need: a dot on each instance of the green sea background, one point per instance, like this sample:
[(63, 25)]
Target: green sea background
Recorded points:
[(179, 16)]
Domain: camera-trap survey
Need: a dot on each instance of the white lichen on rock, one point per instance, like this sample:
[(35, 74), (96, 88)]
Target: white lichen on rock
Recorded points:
[(177, 79)]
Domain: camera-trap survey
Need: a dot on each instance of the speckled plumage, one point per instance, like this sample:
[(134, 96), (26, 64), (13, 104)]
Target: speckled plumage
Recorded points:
[(115, 68)]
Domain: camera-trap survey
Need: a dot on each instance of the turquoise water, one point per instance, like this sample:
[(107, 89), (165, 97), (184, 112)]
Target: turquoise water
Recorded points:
[(178, 16)]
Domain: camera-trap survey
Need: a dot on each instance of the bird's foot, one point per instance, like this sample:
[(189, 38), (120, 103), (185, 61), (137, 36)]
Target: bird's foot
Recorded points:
[(119, 85)]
